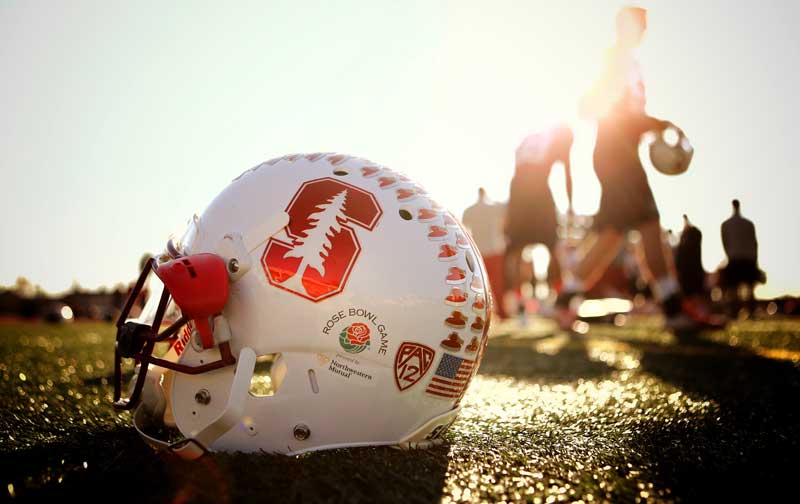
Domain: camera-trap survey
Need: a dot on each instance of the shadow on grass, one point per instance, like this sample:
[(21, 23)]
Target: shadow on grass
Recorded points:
[(734, 377), (749, 450), (568, 363), (122, 469)]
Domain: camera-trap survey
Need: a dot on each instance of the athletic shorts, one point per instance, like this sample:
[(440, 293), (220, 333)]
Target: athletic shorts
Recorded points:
[(530, 216), (626, 201), (741, 271)]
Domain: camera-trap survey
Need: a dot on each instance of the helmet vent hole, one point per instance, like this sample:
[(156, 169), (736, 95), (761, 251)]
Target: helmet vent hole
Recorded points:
[(266, 379), (341, 172), (312, 379), (405, 214), (192, 272), (470, 261)]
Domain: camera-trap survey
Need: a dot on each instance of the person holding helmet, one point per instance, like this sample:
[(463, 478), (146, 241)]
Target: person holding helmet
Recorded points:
[(617, 102)]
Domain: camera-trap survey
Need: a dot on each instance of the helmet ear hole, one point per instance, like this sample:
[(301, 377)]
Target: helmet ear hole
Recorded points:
[(267, 375), (671, 137), (312, 380)]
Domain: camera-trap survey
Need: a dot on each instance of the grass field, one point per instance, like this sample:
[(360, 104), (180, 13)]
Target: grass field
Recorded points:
[(623, 414)]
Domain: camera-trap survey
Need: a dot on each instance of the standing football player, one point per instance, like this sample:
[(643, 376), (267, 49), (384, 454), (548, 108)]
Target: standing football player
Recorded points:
[(741, 248), (531, 216)]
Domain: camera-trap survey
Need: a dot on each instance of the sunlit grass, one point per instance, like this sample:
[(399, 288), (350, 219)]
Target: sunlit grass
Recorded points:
[(550, 417)]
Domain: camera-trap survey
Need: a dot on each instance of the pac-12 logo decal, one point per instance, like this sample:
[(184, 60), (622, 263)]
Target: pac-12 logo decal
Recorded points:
[(411, 363), (324, 246)]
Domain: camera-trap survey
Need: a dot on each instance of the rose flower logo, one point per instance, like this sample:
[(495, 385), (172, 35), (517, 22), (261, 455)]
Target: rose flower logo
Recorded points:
[(355, 338)]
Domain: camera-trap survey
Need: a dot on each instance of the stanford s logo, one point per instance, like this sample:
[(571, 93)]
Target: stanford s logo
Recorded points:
[(324, 246)]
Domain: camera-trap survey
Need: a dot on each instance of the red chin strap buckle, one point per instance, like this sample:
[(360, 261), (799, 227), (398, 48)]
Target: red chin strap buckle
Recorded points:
[(199, 285)]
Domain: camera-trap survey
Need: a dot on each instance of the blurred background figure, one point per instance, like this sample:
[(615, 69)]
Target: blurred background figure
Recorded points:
[(617, 102), (484, 220), (692, 277), (144, 293), (531, 217), (741, 273), (689, 261)]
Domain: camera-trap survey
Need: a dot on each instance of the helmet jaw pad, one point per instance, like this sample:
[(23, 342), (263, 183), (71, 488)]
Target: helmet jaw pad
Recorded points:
[(199, 285)]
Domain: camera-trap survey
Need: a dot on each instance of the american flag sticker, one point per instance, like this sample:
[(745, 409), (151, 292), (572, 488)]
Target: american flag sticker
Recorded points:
[(451, 377)]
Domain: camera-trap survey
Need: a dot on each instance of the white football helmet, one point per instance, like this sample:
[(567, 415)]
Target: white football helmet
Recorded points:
[(370, 301)]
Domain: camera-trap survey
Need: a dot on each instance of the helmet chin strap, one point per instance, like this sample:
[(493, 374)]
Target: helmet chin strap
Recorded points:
[(195, 445)]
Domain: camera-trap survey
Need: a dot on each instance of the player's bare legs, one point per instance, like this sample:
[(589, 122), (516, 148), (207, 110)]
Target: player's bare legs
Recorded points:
[(513, 264), (603, 249), (603, 246), (658, 263), (554, 279)]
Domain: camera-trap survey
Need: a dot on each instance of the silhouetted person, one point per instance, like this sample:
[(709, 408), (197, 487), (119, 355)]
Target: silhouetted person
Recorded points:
[(484, 220), (617, 102), (143, 295), (741, 248), (531, 217), (689, 261)]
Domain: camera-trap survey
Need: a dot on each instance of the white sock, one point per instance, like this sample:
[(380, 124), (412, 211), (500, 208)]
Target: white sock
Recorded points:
[(665, 287), (573, 285)]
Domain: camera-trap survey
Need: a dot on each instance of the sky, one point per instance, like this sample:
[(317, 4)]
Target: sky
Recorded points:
[(119, 120)]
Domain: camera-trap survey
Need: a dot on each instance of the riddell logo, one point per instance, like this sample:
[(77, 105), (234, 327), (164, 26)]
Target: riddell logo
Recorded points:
[(324, 246)]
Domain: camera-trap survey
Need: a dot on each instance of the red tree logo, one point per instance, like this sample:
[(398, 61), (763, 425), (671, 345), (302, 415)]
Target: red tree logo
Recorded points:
[(324, 245)]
